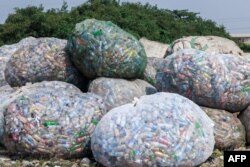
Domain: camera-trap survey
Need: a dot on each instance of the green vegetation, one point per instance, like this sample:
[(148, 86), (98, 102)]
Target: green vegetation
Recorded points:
[(244, 47), (140, 20)]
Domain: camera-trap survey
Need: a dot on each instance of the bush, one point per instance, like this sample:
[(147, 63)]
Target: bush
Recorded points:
[(140, 20)]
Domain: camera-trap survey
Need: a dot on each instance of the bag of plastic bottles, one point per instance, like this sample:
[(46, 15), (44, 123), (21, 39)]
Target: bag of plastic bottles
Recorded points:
[(247, 55), (5, 94), (229, 131), (6, 52), (52, 119), (162, 129), (244, 117), (212, 80), (209, 44), (116, 92), (151, 69), (102, 49), (44, 61), (154, 48)]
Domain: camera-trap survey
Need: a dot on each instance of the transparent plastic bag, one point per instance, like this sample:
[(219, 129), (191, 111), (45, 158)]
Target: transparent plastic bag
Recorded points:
[(5, 94), (162, 129), (51, 119), (101, 48), (154, 48), (6, 52), (229, 131), (151, 69), (9, 94), (45, 60), (244, 117), (209, 44), (116, 92), (214, 80)]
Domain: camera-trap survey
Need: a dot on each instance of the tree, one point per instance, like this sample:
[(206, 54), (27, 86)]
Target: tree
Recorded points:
[(140, 20)]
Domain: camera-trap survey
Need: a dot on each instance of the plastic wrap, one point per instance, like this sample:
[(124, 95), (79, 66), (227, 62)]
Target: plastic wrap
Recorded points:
[(5, 94), (244, 117), (212, 80), (154, 48), (5, 53), (100, 48), (44, 61), (51, 119), (209, 44), (151, 70), (229, 131), (8, 95), (247, 55), (162, 129), (116, 92)]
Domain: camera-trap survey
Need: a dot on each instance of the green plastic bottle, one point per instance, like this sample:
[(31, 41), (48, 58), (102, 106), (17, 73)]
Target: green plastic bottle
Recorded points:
[(50, 123)]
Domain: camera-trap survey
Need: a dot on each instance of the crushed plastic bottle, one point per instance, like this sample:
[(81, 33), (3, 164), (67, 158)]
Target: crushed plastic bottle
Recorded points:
[(116, 92), (162, 129), (51, 119), (212, 80), (102, 49)]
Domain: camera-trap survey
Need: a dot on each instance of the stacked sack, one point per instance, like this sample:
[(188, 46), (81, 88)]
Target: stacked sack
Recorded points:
[(229, 131), (5, 96), (102, 49), (45, 60), (6, 52), (209, 44), (162, 129), (154, 48), (214, 80), (51, 119), (151, 70), (244, 116), (142, 127), (116, 92)]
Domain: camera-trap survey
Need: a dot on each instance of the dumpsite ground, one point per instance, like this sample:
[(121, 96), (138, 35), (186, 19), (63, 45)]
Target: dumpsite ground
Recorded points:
[(6, 160)]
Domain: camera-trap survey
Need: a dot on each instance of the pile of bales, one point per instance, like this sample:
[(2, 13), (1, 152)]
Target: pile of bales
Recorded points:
[(100, 92)]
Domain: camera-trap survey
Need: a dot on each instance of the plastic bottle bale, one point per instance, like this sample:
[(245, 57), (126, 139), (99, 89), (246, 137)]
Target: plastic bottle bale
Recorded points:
[(52, 122), (5, 93), (27, 41), (151, 69), (46, 60), (102, 49), (116, 92), (154, 48), (244, 117), (213, 80), (9, 94), (5, 53), (3, 62), (162, 129), (229, 131), (209, 44), (14, 93), (247, 55)]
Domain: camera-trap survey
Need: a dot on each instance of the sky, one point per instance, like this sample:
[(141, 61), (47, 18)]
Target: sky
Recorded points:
[(233, 14)]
